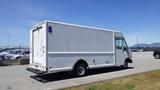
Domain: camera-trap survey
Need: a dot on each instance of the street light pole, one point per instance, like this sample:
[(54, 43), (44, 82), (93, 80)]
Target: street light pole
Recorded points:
[(8, 43), (137, 42)]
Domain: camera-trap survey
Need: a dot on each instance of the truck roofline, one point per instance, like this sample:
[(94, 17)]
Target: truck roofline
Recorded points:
[(89, 27)]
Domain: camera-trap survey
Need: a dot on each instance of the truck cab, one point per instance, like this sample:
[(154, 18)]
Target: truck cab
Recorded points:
[(123, 53)]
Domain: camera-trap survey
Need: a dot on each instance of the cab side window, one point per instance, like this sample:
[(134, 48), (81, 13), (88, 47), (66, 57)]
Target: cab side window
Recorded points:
[(120, 43)]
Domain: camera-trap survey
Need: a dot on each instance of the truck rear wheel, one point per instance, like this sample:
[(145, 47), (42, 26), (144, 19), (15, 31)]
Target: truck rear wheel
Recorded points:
[(80, 70)]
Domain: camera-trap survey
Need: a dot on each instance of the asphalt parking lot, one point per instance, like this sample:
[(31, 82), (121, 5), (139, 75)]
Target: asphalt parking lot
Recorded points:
[(17, 78)]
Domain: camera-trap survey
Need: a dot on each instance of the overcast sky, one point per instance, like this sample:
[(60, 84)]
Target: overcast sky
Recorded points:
[(132, 17)]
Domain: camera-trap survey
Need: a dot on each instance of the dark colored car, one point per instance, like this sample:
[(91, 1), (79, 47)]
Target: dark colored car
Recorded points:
[(156, 54)]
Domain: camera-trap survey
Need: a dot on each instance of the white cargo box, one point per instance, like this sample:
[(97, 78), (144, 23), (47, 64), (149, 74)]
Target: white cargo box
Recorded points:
[(56, 46)]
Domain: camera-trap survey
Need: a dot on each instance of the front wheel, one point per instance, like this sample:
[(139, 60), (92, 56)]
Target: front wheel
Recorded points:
[(157, 56), (80, 70), (125, 65)]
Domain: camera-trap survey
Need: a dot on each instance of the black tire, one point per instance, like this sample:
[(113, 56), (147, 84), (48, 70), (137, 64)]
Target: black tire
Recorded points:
[(125, 65), (18, 57), (80, 70), (157, 56)]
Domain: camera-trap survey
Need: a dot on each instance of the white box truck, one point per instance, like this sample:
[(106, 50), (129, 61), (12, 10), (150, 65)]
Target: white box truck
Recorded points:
[(57, 46)]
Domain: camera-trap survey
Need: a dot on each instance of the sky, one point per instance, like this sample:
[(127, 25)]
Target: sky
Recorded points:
[(135, 18)]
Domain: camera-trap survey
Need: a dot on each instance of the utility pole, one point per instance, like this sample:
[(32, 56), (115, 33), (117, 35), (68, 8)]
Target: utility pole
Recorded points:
[(8, 43), (137, 42)]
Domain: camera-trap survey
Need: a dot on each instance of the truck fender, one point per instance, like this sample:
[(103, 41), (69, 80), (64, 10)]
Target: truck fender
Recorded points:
[(128, 60), (81, 61)]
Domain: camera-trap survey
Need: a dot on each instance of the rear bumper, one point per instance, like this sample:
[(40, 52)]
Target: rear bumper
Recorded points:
[(36, 71)]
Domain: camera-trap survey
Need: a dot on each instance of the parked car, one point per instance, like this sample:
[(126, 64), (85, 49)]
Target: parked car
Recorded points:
[(26, 53), (1, 58), (15, 55), (18, 54), (156, 54), (4, 54)]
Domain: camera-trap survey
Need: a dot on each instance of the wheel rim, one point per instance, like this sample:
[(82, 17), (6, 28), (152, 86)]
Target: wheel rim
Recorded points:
[(80, 70), (157, 56)]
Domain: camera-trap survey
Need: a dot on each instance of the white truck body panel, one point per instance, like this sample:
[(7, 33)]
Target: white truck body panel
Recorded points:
[(38, 47), (58, 46)]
